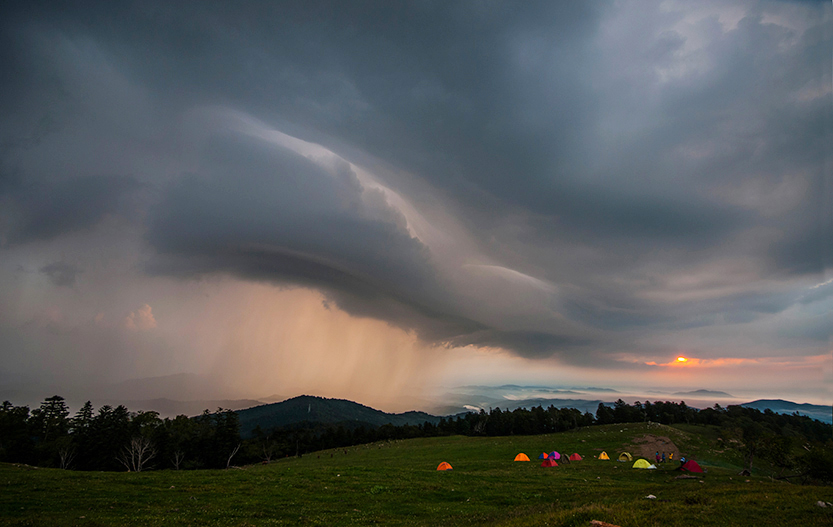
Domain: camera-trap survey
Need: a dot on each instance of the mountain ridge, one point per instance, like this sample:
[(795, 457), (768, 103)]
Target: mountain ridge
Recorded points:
[(324, 410), (780, 406)]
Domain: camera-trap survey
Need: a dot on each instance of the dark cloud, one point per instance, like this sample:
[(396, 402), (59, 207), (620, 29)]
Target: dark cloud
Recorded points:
[(601, 155), (267, 213), (530, 344), (43, 211), (805, 249), (607, 315), (812, 328), (61, 274), (258, 195), (818, 293)]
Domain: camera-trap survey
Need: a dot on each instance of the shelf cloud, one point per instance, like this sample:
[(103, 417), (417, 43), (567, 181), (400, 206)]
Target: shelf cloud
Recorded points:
[(594, 185)]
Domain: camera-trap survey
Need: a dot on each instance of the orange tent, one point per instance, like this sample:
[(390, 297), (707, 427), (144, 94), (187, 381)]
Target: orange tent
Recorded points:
[(549, 462), (521, 457), (444, 466), (603, 455), (575, 457)]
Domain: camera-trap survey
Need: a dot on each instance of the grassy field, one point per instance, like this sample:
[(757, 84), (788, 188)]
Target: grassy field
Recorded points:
[(397, 484)]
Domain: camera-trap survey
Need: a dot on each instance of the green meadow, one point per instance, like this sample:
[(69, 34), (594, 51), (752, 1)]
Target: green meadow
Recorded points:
[(396, 483)]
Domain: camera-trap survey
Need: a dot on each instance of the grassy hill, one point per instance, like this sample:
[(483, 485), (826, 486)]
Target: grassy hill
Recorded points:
[(323, 410), (396, 483)]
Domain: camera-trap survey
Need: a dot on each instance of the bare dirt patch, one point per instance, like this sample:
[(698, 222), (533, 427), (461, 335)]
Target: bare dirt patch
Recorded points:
[(648, 445)]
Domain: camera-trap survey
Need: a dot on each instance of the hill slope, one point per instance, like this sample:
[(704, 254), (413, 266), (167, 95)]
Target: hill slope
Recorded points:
[(396, 483), (323, 410)]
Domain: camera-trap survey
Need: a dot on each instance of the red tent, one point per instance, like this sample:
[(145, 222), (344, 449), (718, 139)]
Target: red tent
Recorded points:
[(575, 457), (549, 462), (691, 466)]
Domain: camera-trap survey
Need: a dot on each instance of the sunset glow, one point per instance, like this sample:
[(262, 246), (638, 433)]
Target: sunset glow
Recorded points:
[(681, 359)]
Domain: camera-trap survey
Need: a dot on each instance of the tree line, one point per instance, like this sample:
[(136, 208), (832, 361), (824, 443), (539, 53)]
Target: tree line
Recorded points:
[(117, 439)]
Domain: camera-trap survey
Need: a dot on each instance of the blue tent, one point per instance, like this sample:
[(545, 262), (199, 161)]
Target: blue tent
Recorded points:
[(543, 455)]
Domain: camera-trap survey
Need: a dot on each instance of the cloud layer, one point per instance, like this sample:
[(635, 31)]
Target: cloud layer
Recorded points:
[(599, 183)]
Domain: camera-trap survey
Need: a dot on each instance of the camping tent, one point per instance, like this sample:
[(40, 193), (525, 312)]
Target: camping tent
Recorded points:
[(604, 455), (554, 455), (691, 466), (549, 462), (575, 457), (641, 463), (444, 466), (543, 455), (521, 457), (624, 456)]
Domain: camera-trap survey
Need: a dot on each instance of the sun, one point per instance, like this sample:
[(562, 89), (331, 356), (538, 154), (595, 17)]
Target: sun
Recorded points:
[(681, 359)]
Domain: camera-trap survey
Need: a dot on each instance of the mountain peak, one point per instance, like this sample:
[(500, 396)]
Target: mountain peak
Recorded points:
[(317, 409)]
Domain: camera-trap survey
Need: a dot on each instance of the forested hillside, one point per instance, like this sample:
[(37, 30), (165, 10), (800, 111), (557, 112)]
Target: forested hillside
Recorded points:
[(117, 439), (326, 411)]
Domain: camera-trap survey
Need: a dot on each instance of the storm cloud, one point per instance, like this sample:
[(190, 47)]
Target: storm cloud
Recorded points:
[(61, 274), (582, 181)]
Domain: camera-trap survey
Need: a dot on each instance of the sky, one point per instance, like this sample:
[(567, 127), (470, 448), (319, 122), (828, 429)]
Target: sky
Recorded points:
[(381, 200)]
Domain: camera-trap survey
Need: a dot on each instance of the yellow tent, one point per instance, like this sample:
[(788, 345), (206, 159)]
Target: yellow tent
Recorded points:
[(641, 463), (444, 466), (604, 455), (624, 456), (521, 457)]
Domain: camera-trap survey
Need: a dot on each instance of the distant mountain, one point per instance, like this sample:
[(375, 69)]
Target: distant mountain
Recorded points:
[(322, 410), (779, 406), (511, 396), (704, 393), (520, 388), (582, 405)]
